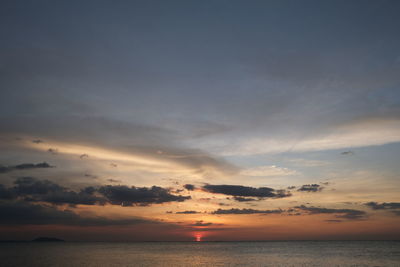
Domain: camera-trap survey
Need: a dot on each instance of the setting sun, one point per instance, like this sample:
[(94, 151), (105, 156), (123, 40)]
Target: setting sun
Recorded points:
[(198, 238)]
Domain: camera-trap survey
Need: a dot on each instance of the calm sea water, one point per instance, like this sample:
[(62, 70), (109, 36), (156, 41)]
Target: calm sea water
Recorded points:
[(171, 254)]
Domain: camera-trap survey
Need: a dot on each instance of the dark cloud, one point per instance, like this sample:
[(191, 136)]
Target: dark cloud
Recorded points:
[(392, 206), (189, 187), (37, 141), (349, 214), (177, 191), (383, 206), (246, 191), (210, 229), (291, 187), (202, 223), (246, 211), (53, 151), (334, 221), (246, 199), (293, 212), (83, 156), (32, 189), (187, 212), (113, 181), (88, 175), (129, 196), (23, 213), (348, 153), (310, 188), (32, 166), (25, 166), (33, 186)]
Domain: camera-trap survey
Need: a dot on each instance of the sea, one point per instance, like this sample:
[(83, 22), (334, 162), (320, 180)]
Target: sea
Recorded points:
[(175, 254)]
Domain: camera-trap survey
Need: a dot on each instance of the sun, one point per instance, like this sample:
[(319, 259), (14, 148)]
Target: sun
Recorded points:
[(198, 238)]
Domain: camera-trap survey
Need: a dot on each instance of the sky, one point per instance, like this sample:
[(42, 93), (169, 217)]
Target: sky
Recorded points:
[(200, 120)]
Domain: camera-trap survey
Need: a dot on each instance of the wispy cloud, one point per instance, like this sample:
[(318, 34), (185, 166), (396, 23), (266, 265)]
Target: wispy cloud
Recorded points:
[(369, 132), (187, 212), (349, 214), (246, 211), (383, 206), (268, 171)]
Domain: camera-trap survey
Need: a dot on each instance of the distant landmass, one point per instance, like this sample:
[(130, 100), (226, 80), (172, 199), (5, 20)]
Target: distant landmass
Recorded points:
[(47, 239)]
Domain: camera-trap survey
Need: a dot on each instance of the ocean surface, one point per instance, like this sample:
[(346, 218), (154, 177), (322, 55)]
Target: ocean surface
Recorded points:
[(172, 254)]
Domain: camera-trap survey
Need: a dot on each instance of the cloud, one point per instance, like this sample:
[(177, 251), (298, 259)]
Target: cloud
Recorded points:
[(113, 180), (25, 166), (246, 211), (367, 131), (245, 199), (53, 151), (202, 223), (132, 142), (187, 212), (267, 171), (82, 156), (392, 206), (33, 186), (189, 187), (34, 190), (308, 162), (22, 213), (383, 205), (246, 191), (88, 175), (347, 153), (310, 188), (129, 196), (349, 214)]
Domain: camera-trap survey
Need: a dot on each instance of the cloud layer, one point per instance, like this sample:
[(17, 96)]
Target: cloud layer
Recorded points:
[(22, 213), (35, 190), (349, 214), (246, 191)]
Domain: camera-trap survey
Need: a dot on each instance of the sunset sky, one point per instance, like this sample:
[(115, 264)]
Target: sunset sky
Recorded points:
[(200, 120)]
